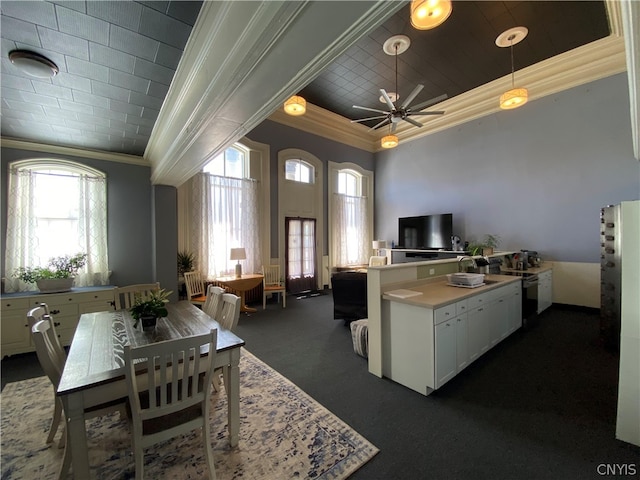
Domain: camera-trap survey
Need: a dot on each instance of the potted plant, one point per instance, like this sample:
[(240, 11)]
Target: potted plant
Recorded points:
[(186, 261), (486, 247), (57, 276), (148, 309)]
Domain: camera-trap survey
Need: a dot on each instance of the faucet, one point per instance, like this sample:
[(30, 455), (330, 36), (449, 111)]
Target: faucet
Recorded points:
[(466, 257)]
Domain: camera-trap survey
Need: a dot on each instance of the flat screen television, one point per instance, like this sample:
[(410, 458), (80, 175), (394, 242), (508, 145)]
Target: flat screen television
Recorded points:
[(426, 232)]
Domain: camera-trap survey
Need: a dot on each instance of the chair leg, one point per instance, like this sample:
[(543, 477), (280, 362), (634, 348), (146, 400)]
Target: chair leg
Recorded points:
[(264, 301), (55, 421), (139, 454), (284, 299), (208, 452)]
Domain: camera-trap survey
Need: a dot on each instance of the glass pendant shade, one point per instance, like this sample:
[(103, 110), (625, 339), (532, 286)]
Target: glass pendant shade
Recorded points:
[(428, 14), (514, 98), (295, 106), (389, 141)]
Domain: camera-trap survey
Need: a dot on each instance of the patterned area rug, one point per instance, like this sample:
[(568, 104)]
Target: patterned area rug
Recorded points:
[(284, 434)]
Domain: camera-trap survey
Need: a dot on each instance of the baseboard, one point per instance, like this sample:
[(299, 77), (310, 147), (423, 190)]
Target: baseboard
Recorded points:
[(576, 308)]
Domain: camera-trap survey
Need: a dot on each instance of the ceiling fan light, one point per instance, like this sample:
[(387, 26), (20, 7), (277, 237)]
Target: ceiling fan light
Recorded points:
[(514, 98), (428, 14), (33, 64), (295, 106), (389, 141)]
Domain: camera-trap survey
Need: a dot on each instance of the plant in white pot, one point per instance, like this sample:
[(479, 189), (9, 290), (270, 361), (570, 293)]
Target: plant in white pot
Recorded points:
[(57, 276)]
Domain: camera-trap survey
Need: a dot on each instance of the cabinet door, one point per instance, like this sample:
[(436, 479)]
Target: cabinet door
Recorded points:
[(462, 342), (446, 361), (515, 311), (545, 291), (478, 328), (498, 313)]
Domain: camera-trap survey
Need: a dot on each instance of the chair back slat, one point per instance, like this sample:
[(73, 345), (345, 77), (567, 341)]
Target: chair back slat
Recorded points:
[(42, 313), (173, 370), (42, 335), (194, 284), (271, 275), (230, 311), (125, 297), (213, 304)]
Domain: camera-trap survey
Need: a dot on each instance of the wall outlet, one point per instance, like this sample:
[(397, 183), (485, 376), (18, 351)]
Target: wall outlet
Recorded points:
[(432, 271)]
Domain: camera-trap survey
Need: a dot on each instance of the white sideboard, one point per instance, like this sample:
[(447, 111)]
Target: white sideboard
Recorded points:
[(65, 309), (426, 347)]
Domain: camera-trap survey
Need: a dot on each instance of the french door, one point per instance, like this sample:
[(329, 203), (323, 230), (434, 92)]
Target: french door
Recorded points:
[(300, 254)]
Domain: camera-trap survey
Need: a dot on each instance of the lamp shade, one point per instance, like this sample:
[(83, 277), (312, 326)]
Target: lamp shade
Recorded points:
[(389, 141), (428, 14), (238, 254), (295, 106), (379, 244), (514, 98)]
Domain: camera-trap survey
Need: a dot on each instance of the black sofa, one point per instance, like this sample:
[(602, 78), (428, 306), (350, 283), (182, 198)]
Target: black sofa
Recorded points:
[(349, 295)]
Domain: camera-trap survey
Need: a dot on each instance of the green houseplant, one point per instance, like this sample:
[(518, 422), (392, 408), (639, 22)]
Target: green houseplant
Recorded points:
[(186, 262), (486, 247), (148, 309), (57, 276)]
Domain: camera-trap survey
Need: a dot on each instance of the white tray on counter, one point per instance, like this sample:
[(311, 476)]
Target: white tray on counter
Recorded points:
[(466, 286)]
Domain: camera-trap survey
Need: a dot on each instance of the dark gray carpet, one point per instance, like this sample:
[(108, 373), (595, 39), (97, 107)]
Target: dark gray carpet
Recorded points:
[(540, 405)]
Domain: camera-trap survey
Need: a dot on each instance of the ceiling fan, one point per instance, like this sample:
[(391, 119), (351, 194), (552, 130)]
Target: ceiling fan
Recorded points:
[(394, 46)]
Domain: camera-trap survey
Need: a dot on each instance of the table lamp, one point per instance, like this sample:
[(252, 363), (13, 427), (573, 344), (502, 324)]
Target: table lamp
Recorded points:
[(378, 245), (238, 254)]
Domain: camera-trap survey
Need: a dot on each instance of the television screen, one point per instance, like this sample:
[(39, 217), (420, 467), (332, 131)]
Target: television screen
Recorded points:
[(426, 232)]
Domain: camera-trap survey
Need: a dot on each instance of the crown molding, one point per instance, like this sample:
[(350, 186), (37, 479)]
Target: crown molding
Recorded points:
[(594, 61), (74, 152)]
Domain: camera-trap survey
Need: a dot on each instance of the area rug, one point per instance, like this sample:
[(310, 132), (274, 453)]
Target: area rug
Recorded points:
[(284, 434)]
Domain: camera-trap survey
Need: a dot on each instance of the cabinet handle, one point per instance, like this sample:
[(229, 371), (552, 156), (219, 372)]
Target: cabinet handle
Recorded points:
[(480, 309), (55, 312), (446, 314), (56, 324)]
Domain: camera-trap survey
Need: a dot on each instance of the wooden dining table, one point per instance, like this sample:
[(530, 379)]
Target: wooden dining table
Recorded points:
[(242, 284), (94, 371)]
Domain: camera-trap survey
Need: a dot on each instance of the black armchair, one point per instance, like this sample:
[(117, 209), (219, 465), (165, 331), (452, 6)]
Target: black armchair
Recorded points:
[(349, 295)]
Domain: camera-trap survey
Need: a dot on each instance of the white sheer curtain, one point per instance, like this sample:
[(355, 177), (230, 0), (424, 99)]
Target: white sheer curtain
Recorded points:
[(351, 239), (224, 216), (50, 214)]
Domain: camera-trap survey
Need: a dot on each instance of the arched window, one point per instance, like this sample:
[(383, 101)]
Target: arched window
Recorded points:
[(298, 170), (55, 208), (349, 182)]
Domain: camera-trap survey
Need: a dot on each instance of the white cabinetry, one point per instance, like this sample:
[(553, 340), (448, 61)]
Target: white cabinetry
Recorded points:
[(545, 290), (428, 347), (65, 309)]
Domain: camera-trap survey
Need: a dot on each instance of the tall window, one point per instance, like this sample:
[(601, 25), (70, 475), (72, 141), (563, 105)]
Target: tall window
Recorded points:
[(225, 215), (56, 208), (351, 238)]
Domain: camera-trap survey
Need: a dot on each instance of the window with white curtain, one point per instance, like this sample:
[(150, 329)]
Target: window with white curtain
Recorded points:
[(55, 208), (351, 243), (225, 215)]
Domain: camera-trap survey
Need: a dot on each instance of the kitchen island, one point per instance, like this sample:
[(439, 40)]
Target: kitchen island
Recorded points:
[(431, 331)]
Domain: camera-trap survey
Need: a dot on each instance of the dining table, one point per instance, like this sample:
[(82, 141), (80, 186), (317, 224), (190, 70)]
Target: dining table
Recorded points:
[(94, 371), (242, 284)]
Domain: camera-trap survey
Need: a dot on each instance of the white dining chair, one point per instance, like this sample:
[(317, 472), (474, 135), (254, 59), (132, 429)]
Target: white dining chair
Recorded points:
[(125, 297), (43, 338), (213, 304), (195, 288), (172, 394), (271, 283), (34, 316)]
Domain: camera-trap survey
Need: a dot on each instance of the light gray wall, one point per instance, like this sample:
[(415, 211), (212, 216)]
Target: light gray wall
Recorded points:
[(129, 219), (536, 176), (280, 137)]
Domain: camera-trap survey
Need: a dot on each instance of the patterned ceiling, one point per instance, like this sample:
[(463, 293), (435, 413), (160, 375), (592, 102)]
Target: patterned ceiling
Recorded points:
[(117, 60)]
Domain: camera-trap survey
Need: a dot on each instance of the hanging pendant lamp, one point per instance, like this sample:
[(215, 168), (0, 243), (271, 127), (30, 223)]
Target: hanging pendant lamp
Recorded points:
[(389, 141), (295, 106), (428, 14), (517, 96)]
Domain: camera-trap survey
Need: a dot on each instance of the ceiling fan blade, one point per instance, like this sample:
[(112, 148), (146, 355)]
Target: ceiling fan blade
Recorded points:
[(412, 95), (381, 124), (369, 109), (387, 99), (433, 101), (368, 118), (411, 120), (432, 112)]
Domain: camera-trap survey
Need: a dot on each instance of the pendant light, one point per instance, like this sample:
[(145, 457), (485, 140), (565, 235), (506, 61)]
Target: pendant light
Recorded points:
[(295, 106), (428, 14), (389, 141), (516, 97)]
